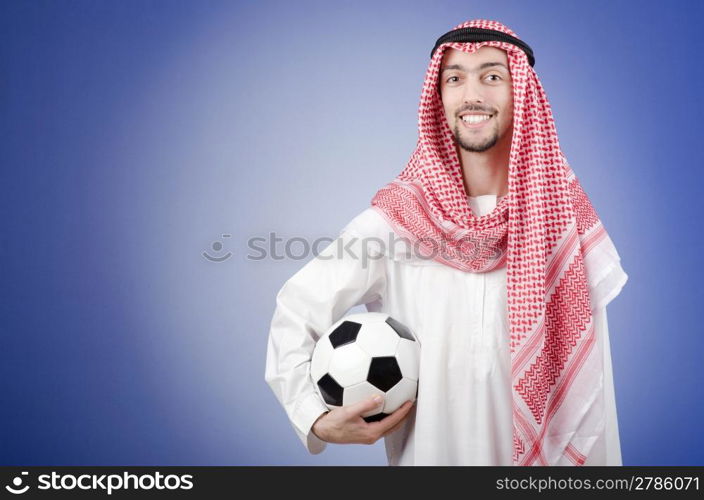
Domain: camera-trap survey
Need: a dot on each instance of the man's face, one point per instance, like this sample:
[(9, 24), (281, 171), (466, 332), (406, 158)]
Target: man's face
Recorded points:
[(473, 85)]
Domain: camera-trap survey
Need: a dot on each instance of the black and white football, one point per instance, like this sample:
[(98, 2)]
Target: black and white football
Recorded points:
[(366, 354)]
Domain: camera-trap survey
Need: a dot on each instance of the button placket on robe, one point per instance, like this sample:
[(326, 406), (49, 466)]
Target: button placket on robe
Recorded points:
[(482, 205), (483, 303)]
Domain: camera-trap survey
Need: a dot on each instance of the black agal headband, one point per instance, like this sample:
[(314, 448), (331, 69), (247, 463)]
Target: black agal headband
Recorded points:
[(462, 35)]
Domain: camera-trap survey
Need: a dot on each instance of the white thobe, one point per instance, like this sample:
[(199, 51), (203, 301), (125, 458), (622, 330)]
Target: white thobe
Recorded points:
[(463, 413)]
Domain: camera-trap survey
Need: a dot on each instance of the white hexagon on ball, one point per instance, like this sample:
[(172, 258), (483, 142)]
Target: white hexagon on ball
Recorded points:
[(404, 390), (366, 318), (378, 339), (321, 359), (361, 392), (408, 357), (349, 365)]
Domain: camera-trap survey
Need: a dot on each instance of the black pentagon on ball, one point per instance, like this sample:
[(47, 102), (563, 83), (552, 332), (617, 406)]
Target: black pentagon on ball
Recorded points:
[(331, 390), (384, 372), (375, 418), (401, 329), (346, 333)]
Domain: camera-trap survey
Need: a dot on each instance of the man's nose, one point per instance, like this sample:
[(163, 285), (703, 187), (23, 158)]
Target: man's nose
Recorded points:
[(472, 92)]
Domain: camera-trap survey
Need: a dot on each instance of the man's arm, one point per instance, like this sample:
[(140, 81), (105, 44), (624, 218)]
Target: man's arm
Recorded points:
[(312, 300)]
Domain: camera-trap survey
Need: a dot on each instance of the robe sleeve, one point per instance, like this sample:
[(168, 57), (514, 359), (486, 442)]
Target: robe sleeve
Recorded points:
[(605, 275), (348, 272)]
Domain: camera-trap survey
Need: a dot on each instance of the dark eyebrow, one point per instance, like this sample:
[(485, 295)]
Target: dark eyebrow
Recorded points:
[(481, 66)]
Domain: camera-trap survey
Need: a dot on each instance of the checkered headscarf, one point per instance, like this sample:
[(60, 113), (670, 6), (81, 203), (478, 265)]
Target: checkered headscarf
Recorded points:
[(543, 230)]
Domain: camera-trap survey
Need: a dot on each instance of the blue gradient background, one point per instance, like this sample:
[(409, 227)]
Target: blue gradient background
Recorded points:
[(135, 134)]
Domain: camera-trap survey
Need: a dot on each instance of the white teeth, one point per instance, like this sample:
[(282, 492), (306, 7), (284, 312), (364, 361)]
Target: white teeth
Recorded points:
[(475, 118)]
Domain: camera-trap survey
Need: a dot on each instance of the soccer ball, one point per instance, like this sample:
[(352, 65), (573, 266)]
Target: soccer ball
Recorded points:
[(366, 354)]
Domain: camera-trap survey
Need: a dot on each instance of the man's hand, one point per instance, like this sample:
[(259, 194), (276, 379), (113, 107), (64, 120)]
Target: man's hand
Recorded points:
[(346, 425)]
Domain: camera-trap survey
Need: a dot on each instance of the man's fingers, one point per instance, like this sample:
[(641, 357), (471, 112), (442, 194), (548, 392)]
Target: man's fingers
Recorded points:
[(366, 405), (394, 428), (397, 426), (389, 422)]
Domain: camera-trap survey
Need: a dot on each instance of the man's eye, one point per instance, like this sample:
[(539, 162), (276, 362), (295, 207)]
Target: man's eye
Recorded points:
[(450, 78), (497, 76)]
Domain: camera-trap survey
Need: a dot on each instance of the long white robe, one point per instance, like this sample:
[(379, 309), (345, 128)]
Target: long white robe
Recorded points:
[(463, 414)]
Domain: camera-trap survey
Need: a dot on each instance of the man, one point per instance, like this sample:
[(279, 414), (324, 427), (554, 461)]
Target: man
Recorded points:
[(506, 285)]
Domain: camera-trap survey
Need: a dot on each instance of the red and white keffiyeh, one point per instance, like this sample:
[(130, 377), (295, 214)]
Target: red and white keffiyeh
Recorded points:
[(543, 229)]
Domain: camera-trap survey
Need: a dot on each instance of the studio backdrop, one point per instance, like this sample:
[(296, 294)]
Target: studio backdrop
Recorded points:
[(167, 166)]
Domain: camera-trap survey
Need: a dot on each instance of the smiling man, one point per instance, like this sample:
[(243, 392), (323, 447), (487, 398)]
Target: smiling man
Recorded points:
[(505, 281)]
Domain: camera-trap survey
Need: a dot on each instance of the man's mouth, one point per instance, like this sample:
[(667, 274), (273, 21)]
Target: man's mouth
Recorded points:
[(475, 120)]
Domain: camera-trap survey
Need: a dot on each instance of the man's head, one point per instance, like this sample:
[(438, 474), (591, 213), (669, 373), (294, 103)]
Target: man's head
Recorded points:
[(475, 85)]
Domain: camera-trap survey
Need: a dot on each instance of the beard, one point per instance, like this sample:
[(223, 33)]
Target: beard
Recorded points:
[(476, 145)]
